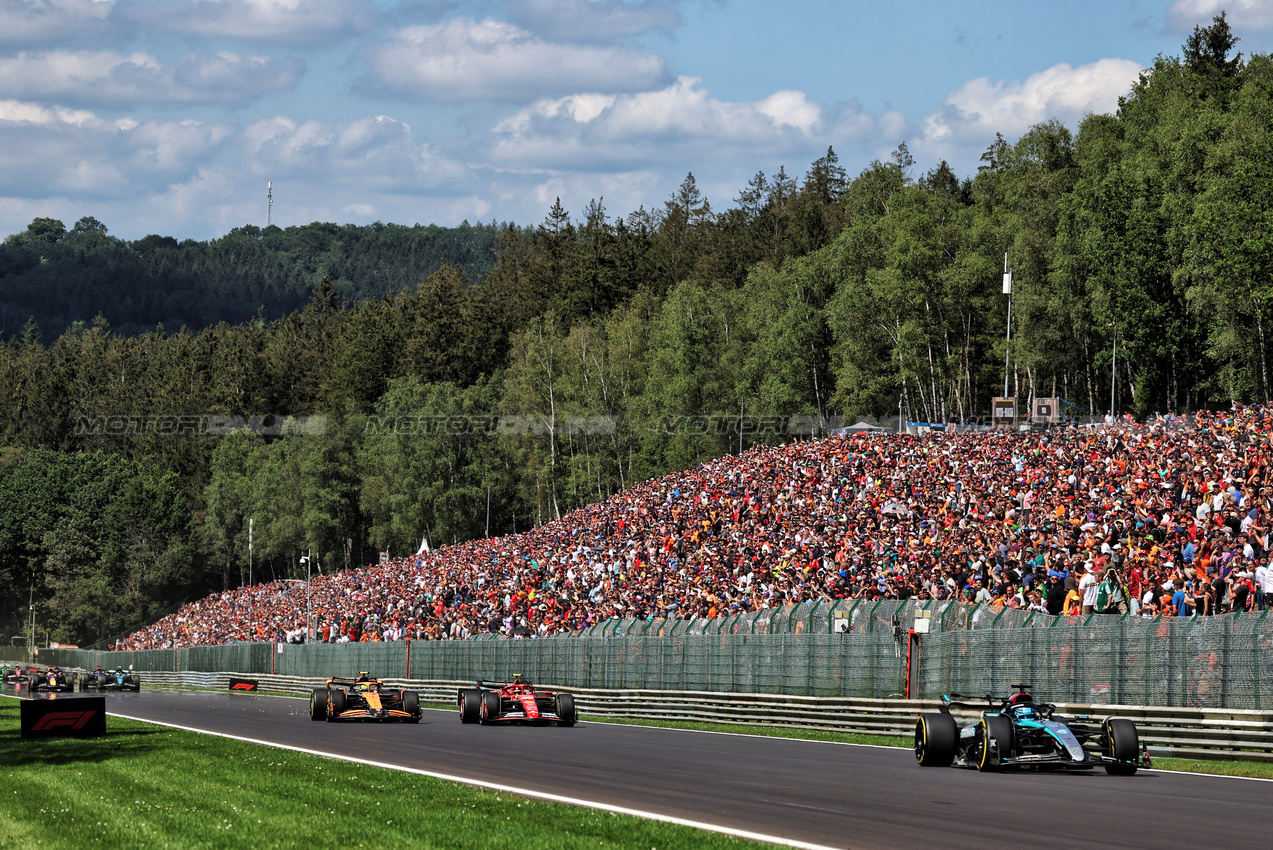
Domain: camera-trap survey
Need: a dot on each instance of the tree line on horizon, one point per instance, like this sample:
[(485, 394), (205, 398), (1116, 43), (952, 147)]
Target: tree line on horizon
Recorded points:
[(594, 352), (52, 277)]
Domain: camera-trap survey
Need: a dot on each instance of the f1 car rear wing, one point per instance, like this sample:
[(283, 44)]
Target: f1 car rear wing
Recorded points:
[(986, 703), (339, 680)]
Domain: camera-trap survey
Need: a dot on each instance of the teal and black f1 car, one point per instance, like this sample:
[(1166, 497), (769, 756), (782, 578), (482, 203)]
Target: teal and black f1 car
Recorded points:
[(1018, 733), (118, 679)]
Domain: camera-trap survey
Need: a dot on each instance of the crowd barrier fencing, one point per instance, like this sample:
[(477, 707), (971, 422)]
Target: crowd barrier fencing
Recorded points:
[(1202, 662)]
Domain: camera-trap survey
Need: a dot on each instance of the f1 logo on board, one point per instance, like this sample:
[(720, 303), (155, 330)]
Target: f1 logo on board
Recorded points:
[(80, 717), (73, 719), (237, 684)]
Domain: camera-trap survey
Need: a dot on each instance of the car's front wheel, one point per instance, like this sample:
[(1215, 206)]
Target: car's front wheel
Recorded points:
[(565, 709), (411, 705), (336, 703), (471, 706), (490, 707), (996, 741), (1123, 745), (936, 740), (318, 704)]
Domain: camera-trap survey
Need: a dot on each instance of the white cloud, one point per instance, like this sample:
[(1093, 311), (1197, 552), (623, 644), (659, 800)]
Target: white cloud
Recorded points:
[(291, 21), (595, 20), (650, 126), (492, 60), (38, 21), (76, 152), (105, 77), (16, 111), (979, 109), (1241, 14), (376, 154), (791, 109), (174, 177)]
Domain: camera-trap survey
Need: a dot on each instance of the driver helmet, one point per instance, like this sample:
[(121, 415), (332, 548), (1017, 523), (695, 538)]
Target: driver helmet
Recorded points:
[(1021, 703)]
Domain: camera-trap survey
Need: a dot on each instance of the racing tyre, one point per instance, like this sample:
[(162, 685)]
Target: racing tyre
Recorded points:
[(995, 730), (411, 705), (489, 710), (31, 683), (1124, 745), (318, 704), (936, 740), (336, 701), (470, 706), (565, 709)]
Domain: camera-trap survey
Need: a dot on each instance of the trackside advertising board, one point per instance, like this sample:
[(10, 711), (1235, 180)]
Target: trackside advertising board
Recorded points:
[(243, 685), (77, 717)]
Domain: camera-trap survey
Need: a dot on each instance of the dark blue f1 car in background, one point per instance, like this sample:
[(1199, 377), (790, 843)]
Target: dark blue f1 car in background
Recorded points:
[(118, 679), (1018, 733)]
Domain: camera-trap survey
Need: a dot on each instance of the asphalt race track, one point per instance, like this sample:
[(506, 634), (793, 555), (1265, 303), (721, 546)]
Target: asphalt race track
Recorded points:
[(820, 793)]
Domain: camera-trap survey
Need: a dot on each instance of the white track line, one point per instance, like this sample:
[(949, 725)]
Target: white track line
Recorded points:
[(507, 789)]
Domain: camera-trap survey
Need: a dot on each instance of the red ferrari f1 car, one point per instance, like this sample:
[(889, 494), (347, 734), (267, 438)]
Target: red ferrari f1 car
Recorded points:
[(517, 702), (363, 698)]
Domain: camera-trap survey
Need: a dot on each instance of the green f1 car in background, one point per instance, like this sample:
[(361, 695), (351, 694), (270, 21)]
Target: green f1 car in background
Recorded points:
[(1018, 733)]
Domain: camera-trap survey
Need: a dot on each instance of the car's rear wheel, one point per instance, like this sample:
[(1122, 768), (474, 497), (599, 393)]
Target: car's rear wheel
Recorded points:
[(1124, 745), (336, 704), (489, 711), (996, 741), (565, 709), (318, 704), (470, 706), (936, 740)]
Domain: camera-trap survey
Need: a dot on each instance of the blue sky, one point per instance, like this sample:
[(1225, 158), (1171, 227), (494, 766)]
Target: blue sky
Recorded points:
[(168, 116)]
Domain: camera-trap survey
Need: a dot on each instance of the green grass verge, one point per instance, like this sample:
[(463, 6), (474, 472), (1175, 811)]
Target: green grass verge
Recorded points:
[(144, 785), (1255, 769)]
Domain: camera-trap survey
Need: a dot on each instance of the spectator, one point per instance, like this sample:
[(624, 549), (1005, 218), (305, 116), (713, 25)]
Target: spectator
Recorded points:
[(856, 517), (1087, 587)]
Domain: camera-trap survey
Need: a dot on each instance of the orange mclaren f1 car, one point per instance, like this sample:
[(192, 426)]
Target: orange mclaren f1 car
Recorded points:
[(363, 698)]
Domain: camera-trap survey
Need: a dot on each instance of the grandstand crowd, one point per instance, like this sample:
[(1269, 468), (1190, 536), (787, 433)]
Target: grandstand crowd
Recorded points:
[(1173, 512)]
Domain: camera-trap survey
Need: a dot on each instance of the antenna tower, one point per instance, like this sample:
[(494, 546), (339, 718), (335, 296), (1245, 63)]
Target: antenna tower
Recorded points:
[(269, 201)]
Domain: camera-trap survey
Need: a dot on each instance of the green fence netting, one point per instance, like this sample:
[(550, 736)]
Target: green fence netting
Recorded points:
[(1208, 662)]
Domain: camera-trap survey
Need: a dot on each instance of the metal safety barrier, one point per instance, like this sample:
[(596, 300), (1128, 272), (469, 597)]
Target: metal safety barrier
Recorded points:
[(1175, 732)]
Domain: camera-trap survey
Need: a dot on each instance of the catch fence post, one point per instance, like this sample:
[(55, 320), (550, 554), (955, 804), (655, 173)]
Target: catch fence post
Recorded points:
[(1149, 654), (1255, 657)]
